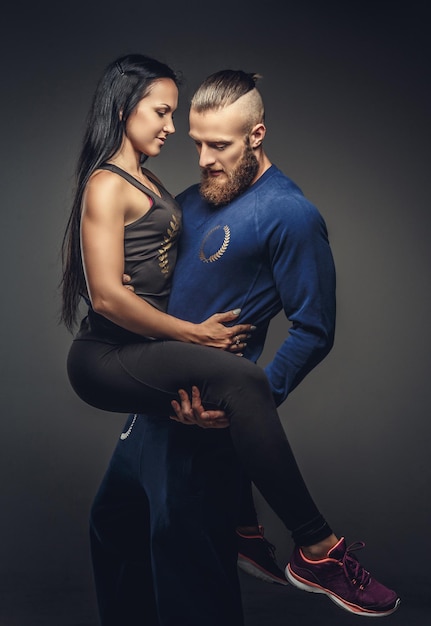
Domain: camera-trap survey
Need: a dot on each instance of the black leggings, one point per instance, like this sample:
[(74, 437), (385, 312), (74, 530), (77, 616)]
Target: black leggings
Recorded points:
[(144, 377)]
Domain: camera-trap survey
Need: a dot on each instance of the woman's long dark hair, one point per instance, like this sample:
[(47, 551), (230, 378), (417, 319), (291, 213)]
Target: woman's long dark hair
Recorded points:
[(124, 83)]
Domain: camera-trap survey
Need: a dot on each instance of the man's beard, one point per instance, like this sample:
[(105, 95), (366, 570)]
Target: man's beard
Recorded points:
[(239, 179)]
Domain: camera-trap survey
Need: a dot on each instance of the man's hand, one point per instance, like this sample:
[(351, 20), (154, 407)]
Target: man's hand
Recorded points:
[(192, 413), (126, 281)]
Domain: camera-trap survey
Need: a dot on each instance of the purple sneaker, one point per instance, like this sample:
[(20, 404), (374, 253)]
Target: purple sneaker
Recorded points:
[(343, 579)]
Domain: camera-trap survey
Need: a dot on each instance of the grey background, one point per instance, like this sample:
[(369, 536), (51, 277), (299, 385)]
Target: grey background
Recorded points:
[(347, 96)]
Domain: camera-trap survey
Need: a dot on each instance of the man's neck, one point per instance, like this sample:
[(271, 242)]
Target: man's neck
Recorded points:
[(264, 164)]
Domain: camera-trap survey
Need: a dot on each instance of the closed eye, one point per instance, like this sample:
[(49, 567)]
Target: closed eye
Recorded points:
[(219, 146)]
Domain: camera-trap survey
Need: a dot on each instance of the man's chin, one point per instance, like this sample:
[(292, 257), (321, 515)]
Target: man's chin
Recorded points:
[(220, 190), (213, 190), (212, 198)]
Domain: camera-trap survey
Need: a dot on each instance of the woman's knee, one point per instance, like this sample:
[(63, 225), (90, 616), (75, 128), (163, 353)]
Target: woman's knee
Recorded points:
[(251, 375)]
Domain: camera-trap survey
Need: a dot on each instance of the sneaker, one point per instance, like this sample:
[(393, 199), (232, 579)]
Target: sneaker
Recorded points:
[(256, 556), (343, 579)]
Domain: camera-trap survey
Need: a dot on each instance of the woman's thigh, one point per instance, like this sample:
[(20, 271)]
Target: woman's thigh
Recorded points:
[(145, 377)]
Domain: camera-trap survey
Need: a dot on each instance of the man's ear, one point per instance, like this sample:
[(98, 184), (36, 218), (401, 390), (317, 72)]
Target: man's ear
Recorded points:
[(257, 135)]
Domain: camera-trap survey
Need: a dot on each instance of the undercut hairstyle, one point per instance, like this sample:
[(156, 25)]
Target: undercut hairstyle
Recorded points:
[(224, 88)]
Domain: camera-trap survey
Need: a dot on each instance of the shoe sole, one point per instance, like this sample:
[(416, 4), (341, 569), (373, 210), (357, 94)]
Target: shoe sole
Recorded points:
[(306, 585), (252, 568)]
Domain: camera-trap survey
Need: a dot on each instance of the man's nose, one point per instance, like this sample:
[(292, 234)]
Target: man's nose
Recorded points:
[(206, 157)]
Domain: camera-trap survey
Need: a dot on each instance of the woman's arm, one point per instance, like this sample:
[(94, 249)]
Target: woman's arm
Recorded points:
[(102, 245)]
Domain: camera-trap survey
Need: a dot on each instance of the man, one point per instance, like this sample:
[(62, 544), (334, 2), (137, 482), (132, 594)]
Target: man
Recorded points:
[(170, 495)]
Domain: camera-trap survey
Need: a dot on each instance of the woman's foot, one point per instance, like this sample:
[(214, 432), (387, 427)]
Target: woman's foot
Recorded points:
[(341, 577)]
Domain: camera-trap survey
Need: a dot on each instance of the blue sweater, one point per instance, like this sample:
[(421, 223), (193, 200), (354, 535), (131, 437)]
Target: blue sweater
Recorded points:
[(266, 251)]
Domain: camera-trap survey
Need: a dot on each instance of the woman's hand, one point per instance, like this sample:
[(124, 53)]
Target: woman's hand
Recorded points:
[(213, 332)]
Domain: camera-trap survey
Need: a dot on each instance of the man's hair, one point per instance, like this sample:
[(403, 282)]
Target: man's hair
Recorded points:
[(223, 88)]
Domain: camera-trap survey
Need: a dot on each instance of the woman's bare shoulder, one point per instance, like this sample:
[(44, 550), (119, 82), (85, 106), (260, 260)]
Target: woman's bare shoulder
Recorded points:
[(104, 191)]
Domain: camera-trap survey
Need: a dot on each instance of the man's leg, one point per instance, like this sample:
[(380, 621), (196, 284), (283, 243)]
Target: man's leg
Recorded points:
[(181, 567), (256, 555), (120, 542), (193, 500)]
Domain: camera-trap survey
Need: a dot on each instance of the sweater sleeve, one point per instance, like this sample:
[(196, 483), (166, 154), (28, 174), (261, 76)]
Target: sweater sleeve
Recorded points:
[(303, 270)]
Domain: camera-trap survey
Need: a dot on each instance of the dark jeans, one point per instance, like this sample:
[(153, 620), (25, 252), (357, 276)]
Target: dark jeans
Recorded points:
[(162, 528)]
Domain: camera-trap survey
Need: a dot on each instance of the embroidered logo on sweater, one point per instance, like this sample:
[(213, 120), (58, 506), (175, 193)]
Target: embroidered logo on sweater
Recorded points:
[(168, 241), (212, 239)]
